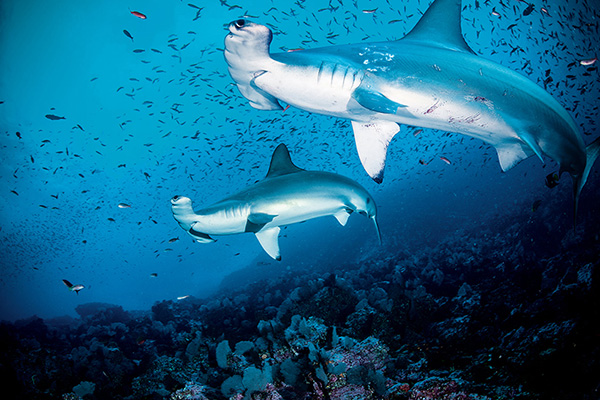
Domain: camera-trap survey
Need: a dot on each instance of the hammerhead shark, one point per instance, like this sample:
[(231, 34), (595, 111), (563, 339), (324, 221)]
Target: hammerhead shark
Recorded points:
[(286, 196), (430, 78)]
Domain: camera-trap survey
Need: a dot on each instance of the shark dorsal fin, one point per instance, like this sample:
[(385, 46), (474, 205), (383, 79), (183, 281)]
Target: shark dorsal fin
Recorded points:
[(440, 27), (281, 163)]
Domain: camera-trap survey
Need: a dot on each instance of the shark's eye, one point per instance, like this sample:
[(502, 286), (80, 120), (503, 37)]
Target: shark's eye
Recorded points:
[(175, 198), (240, 23)]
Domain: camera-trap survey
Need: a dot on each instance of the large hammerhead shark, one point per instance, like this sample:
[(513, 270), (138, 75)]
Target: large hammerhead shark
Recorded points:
[(430, 78)]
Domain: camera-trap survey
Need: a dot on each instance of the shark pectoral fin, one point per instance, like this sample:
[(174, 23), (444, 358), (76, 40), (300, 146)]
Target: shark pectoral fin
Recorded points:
[(268, 239), (200, 236), (372, 140), (343, 215), (375, 101), (510, 153), (257, 221)]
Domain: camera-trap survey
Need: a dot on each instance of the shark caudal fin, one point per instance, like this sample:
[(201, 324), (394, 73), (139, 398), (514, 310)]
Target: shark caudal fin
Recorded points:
[(592, 151)]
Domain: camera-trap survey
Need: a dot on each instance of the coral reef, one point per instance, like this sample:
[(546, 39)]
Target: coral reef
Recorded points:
[(478, 316)]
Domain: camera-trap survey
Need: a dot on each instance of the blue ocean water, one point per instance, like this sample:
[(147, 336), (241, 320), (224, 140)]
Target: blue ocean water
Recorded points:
[(105, 116)]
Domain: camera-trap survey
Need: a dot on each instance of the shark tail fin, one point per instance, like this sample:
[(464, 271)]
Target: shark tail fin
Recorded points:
[(592, 152)]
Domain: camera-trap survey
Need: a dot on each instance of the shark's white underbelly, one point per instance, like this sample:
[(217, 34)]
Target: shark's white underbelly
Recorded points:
[(296, 210)]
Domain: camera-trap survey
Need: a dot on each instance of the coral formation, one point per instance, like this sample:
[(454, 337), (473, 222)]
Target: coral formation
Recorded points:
[(454, 321)]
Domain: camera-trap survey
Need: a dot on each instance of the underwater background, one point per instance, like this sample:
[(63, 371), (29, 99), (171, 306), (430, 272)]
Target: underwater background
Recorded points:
[(481, 289)]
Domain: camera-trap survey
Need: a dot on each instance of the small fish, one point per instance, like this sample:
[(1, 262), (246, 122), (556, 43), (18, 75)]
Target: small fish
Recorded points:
[(153, 275), (123, 205), (369, 11), (54, 117), (296, 49), (444, 159), (173, 240), (183, 297), (422, 162), (591, 61), (73, 288), (19, 135), (417, 132), (138, 14), (126, 32), (552, 180), (528, 10), (286, 107), (536, 205)]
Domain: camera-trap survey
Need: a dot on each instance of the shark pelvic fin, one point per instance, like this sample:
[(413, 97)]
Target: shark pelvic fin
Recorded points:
[(511, 153), (440, 27), (268, 239), (343, 215), (281, 163), (372, 140)]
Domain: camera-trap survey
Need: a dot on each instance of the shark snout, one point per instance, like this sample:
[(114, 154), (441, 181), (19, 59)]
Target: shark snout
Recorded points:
[(180, 200)]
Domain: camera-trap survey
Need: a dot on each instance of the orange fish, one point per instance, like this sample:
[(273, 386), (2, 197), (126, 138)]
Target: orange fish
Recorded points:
[(138, 14)]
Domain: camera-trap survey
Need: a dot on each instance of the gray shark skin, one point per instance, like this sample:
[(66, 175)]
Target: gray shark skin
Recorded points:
[(286, 196), (430, 78)]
